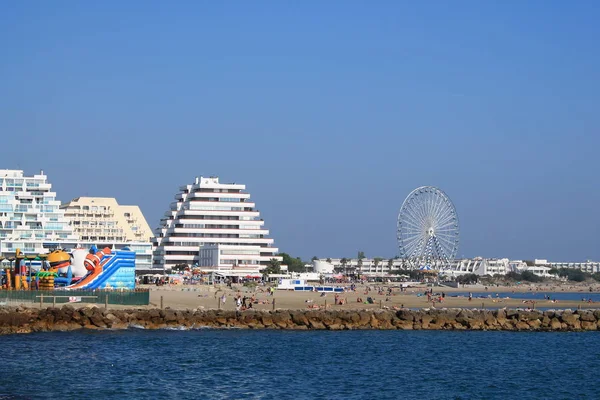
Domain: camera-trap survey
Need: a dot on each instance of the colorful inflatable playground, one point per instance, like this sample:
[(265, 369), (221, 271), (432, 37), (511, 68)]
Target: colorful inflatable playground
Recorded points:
[(78, 270)]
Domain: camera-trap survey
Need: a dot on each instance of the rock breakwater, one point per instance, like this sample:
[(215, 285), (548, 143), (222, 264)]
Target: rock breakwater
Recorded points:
[(68, 318)]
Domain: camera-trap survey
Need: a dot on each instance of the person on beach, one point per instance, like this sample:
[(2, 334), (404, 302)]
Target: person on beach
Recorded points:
[(470, 296)]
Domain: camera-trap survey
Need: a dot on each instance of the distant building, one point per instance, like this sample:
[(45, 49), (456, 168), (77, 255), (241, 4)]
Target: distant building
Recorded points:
[(365, 266), (206, 214), (587, 266), (227, 256), (32, 220), (538, 270), (482, 266), (384, 267), (103, 219), (30, 216)]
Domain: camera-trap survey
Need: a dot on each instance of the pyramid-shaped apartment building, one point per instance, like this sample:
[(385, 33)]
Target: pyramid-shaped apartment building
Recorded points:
[(213, 225)]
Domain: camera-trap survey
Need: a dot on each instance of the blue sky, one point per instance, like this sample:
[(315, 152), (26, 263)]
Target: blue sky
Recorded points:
[(330, 112)]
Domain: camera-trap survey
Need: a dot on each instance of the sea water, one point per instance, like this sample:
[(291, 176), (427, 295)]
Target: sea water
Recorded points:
[(243, 364), (538, 295)]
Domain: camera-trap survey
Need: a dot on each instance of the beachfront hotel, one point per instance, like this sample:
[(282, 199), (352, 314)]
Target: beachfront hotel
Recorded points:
[(30, 215), (103, 219), (213, 225), (32, 220)]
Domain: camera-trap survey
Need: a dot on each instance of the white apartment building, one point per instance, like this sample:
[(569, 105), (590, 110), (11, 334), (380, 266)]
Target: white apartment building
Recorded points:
[(587, 266), (209, 213), (30, 215), (366, 266), (482, 266), (228, 256), (103, 219), (32, 220), (382, 267)]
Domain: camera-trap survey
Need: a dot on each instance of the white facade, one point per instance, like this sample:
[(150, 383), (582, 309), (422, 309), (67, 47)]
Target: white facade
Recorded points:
[(483, 266), (30, 215), (382, 267), (537, 270), (323, 267), (587, 266), (231, 256), (102, 218), (31, 220), (365, 266), (208, 212)]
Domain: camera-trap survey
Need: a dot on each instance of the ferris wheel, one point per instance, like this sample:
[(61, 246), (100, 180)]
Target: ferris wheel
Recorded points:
[(428, 233)]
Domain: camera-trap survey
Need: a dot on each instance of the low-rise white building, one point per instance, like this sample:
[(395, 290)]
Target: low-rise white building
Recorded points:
[(538, 270), (229, 256), (365, 266), (587, 266)]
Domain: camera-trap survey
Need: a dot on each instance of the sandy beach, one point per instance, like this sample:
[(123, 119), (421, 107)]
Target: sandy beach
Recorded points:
[(207, 297)]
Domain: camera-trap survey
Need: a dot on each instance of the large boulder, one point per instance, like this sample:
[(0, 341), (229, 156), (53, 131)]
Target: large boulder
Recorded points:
[(586, 316)]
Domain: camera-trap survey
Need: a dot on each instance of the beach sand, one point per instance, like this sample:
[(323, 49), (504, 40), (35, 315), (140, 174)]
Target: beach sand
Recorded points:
[(206, 297)]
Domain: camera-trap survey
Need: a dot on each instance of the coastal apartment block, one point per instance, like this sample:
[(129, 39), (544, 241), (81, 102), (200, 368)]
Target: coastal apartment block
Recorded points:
[(376, 267), (103, 219), (32, 220), (479, 266), (215, 225), (30, 214)]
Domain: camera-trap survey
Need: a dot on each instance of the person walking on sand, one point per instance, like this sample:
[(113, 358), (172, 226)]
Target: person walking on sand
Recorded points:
[(470, 296)]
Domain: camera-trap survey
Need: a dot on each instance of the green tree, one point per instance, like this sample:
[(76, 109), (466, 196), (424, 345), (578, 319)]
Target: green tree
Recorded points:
[(530, 277), (361, 255), (377, 261), (467, 278), (180, 267), (390, 263), (294, 264), (273, 267), (328, 260), (315, 258), (576, 275), (344, 262)]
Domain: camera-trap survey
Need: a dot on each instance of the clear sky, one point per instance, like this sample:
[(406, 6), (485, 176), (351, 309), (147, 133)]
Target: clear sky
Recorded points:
[(330, 112)]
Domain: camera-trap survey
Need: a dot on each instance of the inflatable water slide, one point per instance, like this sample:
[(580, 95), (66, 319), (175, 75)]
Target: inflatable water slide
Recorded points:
[(108, 270)]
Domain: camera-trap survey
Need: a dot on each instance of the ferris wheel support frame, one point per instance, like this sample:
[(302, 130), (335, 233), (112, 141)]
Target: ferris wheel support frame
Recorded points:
[(428, 228)]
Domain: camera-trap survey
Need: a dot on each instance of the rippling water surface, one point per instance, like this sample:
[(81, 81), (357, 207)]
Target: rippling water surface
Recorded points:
[(223, 364)]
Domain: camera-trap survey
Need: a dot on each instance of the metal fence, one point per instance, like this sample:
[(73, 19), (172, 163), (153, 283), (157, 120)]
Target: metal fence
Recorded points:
[(138, 297)]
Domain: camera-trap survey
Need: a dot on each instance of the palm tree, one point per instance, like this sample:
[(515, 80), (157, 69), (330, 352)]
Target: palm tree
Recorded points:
[(273, 267), (377, 260), (328, 260), (344, 261)]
